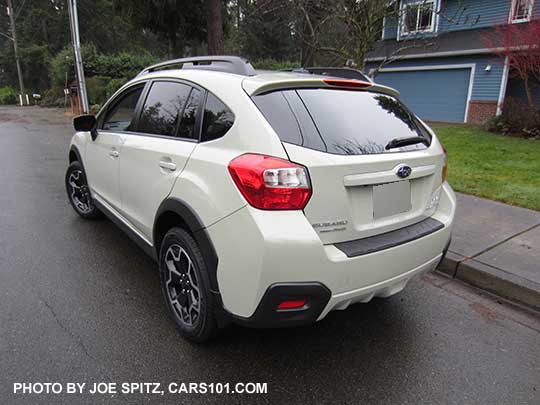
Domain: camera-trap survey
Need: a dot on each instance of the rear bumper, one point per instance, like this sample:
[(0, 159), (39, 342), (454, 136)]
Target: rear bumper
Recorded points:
[(260, 249), (382, 289)]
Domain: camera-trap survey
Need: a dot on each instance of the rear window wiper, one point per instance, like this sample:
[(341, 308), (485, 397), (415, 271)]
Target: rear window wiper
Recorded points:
[(399, 142)]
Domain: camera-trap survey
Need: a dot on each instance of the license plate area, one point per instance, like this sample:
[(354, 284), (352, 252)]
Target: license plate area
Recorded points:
[(391, 199)]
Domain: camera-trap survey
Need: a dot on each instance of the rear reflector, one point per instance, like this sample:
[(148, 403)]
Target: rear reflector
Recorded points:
[(355, 84), (292, 304), (270, 183)]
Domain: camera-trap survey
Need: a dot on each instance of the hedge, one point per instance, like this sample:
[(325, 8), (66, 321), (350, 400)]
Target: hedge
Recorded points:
[(7, 96)]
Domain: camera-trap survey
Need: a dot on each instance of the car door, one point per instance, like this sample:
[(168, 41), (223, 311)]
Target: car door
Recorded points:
[(103, 153), (154, 156)]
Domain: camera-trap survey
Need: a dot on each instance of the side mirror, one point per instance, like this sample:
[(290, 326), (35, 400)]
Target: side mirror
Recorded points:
[(85, 123)]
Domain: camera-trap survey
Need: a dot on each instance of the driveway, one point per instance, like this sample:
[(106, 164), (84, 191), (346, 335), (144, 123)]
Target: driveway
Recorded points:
[(81, 303)]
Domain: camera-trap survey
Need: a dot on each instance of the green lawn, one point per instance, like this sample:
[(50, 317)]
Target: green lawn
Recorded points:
[(492, 166)]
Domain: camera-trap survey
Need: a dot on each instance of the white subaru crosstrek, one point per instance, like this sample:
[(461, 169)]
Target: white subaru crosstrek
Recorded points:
[(267, 198)]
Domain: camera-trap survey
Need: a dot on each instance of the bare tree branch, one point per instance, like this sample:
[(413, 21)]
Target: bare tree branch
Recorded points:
[(7, 36), (395, 55)]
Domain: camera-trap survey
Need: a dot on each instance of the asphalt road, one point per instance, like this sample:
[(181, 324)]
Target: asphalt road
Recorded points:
[(79, 302)]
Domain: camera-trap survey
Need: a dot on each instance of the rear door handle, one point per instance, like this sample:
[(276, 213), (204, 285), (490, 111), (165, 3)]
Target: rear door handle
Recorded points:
[(114, 153), (167, 165)]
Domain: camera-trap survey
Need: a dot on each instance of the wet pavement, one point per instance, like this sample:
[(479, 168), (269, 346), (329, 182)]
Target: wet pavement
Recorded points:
[(79, 302)]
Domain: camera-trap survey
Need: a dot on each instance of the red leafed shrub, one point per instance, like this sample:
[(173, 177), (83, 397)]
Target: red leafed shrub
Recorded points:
[(517, 119), (519, 44)]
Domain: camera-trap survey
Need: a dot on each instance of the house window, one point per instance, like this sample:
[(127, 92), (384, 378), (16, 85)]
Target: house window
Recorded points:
[(522, 10), (418, 17)]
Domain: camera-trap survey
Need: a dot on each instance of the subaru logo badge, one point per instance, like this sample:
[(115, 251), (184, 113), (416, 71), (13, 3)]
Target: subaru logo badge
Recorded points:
[(404, 171)]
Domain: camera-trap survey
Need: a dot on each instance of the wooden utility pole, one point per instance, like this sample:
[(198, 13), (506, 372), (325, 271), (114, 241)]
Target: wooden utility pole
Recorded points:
[(74, 25), (15, 47)]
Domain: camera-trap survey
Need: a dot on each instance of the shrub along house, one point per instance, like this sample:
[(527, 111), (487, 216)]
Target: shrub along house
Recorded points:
[(434, 53)]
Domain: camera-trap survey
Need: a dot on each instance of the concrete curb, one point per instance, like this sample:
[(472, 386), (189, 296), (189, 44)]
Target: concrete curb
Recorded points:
[(492, 279)]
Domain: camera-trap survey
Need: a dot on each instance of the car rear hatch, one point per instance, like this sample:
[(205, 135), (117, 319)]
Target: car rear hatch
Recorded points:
[(373, 165)]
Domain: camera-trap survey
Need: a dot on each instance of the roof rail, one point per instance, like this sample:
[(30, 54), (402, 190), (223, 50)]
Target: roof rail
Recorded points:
[(224, 63), (343, 72)]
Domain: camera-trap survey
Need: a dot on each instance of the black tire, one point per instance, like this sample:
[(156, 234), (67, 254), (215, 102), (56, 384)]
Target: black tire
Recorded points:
[(186, 286), (78, 192)]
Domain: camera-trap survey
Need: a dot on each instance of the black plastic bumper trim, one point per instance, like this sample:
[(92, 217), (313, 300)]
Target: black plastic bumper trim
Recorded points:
[(266, 315), (372, 244)]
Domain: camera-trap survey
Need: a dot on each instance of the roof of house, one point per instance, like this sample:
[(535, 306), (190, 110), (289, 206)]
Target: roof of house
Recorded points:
[(467, 42)]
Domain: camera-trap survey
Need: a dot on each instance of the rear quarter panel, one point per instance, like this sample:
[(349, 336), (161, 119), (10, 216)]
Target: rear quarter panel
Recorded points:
[(206, 184)]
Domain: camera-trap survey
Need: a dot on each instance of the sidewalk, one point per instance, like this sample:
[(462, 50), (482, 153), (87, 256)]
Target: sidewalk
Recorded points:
[(496, 247)]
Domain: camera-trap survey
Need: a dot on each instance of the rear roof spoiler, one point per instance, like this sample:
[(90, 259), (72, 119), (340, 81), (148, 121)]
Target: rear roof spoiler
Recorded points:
[(259, 85), (343, 72)]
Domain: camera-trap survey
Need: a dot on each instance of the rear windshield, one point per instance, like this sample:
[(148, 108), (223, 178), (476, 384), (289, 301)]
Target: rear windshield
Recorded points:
[(343, 122)]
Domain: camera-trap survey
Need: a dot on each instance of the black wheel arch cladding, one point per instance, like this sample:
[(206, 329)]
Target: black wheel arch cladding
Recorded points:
[(195, 227), (75, 151)]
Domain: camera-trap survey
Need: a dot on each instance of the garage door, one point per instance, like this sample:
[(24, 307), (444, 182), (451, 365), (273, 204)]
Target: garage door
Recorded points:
[(437, 95)]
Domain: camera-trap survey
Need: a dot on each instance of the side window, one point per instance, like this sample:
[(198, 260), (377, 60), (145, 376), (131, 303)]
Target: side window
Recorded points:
[(187, 123), (218, 119), (120, 116), (277, 110), (286, 113), (163, 107)]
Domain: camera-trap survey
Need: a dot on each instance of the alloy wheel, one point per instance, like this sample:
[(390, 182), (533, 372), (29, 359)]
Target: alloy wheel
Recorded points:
[(79, 192), (182, 285)]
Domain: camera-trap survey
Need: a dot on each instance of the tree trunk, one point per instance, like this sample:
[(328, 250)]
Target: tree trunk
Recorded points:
[(307, 56), (174, 48), (312, 14), (214, 25), (306, 46), (114, 40), (238, 13), (45, 31), (528, 92), (169, 47)]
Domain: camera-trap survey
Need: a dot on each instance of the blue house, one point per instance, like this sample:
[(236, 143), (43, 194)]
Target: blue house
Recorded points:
[(434, 54)]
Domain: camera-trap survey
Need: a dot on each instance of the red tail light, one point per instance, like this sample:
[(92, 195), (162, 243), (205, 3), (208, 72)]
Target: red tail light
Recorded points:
[(355, 84), (270, 183), (445, 164)]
